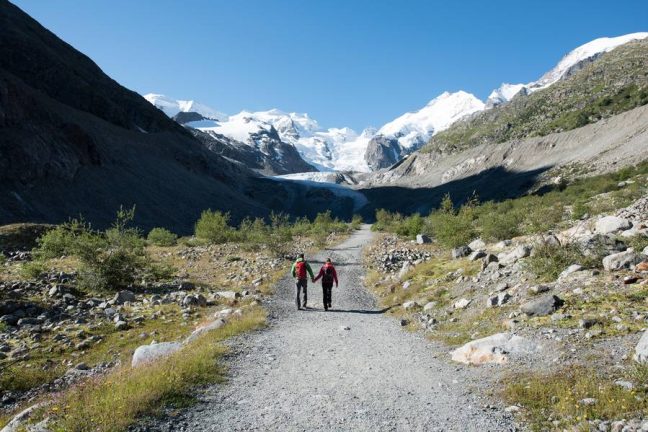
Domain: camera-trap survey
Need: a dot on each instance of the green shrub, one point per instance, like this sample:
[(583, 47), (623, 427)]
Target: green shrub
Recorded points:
[(162, 237), (637, 242), (356, 222), (32, 269), (548, 261), (214, 227), (66, 239)]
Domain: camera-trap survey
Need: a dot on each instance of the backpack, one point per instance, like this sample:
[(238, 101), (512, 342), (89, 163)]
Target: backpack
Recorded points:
[(328, 275), (300, 269)]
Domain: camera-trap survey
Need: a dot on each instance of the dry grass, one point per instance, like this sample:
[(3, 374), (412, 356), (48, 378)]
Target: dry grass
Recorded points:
[(556, 397), (113, 402)]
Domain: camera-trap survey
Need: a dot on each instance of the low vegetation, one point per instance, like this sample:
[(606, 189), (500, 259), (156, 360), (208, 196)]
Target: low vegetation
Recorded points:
[(548, 209), (572, 397), (114, 401)]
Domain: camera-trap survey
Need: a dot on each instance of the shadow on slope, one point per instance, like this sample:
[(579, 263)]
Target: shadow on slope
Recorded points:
[(492, 184)]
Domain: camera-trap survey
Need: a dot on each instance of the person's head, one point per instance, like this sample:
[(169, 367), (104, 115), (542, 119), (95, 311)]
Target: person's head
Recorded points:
[(328, 260), (301, 256)]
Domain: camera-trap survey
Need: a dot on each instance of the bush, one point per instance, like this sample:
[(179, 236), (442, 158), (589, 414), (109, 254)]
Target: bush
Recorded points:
[(66, 239), (548, 261), (356, 222), (32, 270), (162, 237), (214, 227)]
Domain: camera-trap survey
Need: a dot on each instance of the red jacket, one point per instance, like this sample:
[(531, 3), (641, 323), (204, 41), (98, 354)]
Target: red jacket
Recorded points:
[(323, 269)]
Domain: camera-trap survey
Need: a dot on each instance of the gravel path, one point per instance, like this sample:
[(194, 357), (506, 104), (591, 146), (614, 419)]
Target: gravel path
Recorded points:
[(306, 372)]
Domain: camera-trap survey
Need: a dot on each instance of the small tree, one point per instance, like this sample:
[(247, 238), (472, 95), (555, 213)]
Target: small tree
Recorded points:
[(214, 227), (162, 237)]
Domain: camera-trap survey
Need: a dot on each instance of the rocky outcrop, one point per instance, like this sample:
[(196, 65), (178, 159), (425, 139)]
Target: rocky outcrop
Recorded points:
[(497, 348), (383, 152)]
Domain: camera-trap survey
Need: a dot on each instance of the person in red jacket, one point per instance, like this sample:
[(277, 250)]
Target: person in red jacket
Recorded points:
[(328, 275)]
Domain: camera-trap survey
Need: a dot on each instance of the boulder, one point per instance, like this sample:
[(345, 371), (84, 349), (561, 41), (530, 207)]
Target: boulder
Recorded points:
[(542, 306), (642, 267), (497, 348), (498, 300), (19, 421), (194, 300), (612, 224), (230, 295), (645, 251), (148, 353), (216, 324), (460, 252), (121, 325), (621, 260), (641, 350), (599, 244), (124, 296), (474, 256), (539, 289), (461, 304), (569, 270), (404, 269), (477, 244), (516, 254), (423, 239)]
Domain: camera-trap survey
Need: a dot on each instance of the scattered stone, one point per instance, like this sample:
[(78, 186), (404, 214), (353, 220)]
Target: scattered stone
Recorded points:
[(429, 306), (641, 350), (345, 328), (588, 401), (121, 325), (587, 322), (477, 244), (498, 300), (82, 367), (410, 305), (539, 289), (612, 224), (230, 295), (17, 423), (460, 252), (642, 267), (423, 239), (124, 296), (148, 353), (625, 384), (542, 306), (216, 324), (403, 322), (621, 260), (569, 270), (462, 303), (474, 256), (518, 253), (629, 280), (496, 348)]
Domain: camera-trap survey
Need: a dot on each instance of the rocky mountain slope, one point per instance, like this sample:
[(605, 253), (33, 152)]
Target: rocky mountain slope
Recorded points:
[(614, 83), (73, 141)]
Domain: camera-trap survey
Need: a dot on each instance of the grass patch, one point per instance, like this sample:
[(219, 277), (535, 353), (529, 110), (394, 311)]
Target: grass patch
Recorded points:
[(557, 396), (113, 402), (470, 326)]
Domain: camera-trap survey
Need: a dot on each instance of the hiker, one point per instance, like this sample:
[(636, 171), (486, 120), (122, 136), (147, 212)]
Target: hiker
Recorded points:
[(328, 275), (299, 270)]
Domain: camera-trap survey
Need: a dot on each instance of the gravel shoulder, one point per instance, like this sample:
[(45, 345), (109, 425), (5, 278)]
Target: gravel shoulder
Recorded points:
[(307, 371)]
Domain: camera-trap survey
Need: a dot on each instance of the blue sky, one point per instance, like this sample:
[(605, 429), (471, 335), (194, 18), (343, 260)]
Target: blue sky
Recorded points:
[(350, 63)]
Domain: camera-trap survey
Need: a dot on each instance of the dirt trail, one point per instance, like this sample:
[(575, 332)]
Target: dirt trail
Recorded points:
[(306, 372)]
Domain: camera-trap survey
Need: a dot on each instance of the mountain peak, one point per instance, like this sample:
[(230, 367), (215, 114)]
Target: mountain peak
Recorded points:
[(172, 107)]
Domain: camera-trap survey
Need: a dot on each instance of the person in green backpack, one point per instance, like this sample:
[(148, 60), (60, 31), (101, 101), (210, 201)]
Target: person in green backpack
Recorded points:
[(300, 270)]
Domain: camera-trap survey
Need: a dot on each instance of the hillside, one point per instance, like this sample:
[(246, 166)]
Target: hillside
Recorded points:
[(73, 141), (614, 82)]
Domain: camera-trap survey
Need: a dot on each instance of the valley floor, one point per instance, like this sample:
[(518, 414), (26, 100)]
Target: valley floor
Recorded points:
[(352, 368)]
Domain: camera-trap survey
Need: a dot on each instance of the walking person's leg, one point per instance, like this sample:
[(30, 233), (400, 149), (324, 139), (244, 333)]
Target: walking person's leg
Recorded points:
[(324, 297), (305, 287), (297, 289)]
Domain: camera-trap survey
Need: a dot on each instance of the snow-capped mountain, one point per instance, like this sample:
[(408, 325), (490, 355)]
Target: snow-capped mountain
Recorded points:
[(573, 59), (172, 107), (413, 129)]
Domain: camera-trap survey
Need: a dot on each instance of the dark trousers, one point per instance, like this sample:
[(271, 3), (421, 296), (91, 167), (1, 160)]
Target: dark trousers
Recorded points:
[(327, 288), (302, 284)]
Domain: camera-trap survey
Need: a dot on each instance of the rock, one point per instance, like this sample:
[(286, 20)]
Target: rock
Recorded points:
[(404, 270), (423, 239), (542, 306), (621, 260), (642, 267), (599, 244), (462, 303), (474, 256), (641, 350), (625, 384), (407, 284), (496, 348), (148, 353), (230, 295), (460, 252), (429, 306), (498, 300), (194, 300), (539, 289), (477, 244), (569, 270), (82, 367), (17, 423), (503, 286), (503, 244), (588, 401), (403, 322), (612, 224), (121, 325), (410, 305), (629, 280), (587, 322), (223, 313), (216, 324), (645, 251), (516, 254), (551, 240), (123, 296), (186, 286), (345, 328)]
